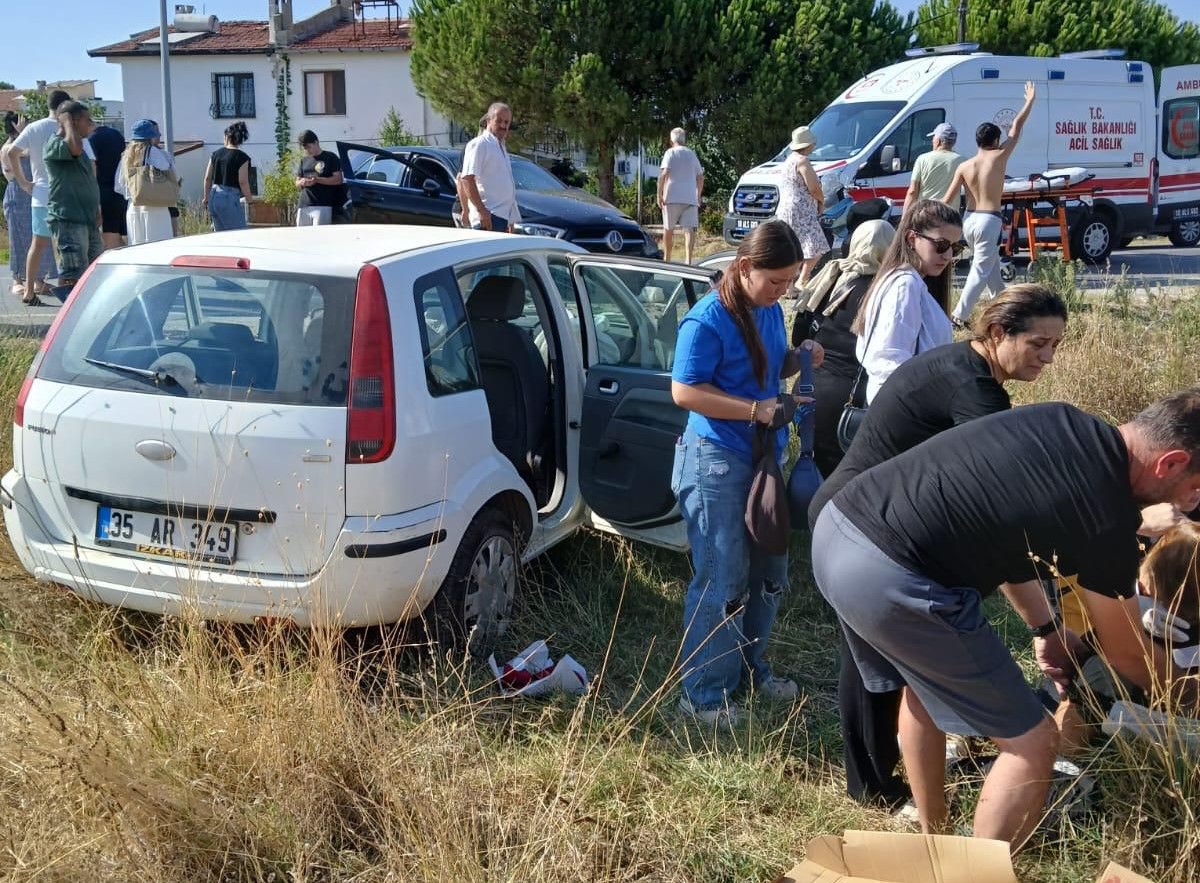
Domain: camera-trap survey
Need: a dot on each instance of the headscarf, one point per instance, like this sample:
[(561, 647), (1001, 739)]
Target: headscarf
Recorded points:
[(868, 245)]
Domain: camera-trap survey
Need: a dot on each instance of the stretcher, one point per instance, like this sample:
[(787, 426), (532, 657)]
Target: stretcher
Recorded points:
[(1039, 201)]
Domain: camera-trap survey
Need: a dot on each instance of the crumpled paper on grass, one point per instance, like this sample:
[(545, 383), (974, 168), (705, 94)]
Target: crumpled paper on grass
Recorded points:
[(532, 672)]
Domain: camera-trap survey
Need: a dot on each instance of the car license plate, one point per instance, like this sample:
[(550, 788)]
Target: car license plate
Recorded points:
[(747, 225), (167, 536)]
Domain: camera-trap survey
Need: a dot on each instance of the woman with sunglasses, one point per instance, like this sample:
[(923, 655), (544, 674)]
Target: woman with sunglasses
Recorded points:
[(906, 310), (1014, 337)]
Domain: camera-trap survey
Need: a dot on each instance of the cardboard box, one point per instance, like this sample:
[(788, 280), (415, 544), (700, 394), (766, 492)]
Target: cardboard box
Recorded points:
[(880, 857)]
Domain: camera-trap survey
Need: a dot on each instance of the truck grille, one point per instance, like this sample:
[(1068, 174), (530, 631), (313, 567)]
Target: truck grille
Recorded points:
[(755, 200)]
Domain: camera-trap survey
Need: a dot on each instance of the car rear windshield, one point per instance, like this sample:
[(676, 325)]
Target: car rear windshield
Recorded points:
[(208, 334)]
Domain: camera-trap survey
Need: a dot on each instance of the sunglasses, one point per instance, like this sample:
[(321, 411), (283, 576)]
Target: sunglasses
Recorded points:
[(941, 246)]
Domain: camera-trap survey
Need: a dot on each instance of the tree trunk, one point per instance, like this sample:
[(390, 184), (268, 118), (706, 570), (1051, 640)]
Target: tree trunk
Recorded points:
[(604, 171)]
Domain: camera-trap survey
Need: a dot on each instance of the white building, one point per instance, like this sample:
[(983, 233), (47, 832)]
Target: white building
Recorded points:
[(345, 74)]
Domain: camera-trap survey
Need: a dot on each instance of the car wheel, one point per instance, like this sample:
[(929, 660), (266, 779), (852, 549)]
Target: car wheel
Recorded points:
[(473, 605), (1185, 234), (1094, 240)]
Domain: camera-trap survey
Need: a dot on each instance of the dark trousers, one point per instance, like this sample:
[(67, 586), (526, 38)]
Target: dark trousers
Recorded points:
[(869, 723)]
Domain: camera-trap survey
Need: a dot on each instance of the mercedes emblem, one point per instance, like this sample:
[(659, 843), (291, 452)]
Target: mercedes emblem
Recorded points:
[(614, 240)]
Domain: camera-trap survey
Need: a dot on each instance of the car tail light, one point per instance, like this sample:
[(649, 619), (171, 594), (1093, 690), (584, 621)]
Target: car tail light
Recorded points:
[(19, 408), (371, 409)]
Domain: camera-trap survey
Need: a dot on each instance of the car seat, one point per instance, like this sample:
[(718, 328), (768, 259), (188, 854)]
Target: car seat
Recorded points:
[(515, 380)]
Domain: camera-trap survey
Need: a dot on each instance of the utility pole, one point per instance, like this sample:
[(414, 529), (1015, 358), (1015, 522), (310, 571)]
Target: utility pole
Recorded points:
[(164, 48), (962, 21), (639, 182)]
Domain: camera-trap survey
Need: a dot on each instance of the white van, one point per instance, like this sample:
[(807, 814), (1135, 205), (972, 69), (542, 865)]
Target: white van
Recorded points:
[(1093, 110)]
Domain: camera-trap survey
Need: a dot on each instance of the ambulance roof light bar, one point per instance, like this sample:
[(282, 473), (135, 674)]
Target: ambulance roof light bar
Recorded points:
[(1095, 53), (947, 49)]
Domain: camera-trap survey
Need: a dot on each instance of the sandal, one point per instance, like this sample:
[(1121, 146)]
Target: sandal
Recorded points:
[(18, 289), (32, 301)]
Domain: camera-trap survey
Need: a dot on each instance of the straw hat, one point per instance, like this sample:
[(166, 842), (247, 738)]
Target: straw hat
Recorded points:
[(802, 137)]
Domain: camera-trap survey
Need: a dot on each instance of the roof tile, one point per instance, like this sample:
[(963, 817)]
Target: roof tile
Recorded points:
[(253, 37)]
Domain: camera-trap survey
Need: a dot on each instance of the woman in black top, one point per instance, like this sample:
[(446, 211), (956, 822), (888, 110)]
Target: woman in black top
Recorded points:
[(1015, 337), (832, 302), (227, 181)]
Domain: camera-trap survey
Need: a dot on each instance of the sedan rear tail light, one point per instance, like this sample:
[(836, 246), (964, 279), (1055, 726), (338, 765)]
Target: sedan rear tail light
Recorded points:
[(371, 408), (19, 408)]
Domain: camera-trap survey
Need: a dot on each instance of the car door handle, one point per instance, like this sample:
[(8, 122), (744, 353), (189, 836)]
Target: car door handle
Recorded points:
[(609, 387)]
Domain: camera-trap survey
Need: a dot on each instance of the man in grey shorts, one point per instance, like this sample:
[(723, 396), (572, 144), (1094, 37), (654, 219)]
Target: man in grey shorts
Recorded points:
[(908, 550), (983, 177), (680, 191)]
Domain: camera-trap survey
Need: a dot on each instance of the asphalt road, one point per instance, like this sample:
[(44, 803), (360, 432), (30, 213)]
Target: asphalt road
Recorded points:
[(1148, 263)]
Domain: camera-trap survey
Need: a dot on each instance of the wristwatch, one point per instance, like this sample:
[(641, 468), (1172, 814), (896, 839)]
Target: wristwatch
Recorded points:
[(1046, 629)]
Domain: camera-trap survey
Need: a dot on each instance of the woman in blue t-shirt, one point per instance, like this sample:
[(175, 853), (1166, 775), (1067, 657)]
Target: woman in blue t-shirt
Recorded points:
[(728, 360)]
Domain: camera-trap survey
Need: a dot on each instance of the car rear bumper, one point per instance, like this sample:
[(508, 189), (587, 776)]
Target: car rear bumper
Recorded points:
[(382, 569)]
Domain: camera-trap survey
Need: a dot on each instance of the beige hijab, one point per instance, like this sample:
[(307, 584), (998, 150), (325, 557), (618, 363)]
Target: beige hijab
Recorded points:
[(831, 287)]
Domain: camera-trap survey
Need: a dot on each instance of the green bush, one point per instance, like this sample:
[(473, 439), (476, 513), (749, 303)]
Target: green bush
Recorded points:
[(393, 132), (279, 186)]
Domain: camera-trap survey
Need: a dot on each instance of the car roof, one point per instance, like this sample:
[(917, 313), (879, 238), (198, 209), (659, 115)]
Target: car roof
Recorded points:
[(338, 249)]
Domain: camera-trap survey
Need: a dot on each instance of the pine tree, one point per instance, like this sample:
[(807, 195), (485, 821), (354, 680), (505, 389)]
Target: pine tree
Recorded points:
[(1148, 31)]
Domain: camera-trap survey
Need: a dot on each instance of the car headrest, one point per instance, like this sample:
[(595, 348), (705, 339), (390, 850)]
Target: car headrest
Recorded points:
[(497, 299), (226, 334)]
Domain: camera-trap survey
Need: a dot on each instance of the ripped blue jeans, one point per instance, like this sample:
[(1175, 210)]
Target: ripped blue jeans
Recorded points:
[(732, 600)]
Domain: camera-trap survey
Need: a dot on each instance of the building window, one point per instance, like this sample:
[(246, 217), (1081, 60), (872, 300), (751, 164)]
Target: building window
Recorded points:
[(325, 93), (233, 96)]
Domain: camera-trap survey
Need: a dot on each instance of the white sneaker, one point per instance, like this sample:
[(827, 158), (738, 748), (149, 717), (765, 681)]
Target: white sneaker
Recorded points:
[(778, 689), (727, 715)]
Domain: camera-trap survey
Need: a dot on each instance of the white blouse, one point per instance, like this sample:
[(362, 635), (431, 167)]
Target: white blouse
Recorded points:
[(903, 320)]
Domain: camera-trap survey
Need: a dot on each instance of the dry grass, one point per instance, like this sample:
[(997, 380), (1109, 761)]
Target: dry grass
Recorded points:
[(133, 747)]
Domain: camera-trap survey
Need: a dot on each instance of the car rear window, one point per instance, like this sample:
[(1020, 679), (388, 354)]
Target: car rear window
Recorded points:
[(208, 334)]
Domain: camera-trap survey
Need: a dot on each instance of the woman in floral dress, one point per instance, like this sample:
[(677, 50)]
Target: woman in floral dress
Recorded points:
[(801, 200)]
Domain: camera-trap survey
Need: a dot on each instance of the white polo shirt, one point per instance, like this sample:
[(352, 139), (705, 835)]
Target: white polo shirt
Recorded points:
[(487, 159), (33, 139)]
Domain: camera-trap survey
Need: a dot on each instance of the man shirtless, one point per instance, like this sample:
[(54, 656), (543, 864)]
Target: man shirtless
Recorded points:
[(983, 177)]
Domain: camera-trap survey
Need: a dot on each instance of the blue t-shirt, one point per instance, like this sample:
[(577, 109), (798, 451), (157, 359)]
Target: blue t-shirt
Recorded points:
[(710, 349)]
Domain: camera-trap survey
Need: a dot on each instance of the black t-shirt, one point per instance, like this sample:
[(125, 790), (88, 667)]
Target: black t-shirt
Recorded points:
[(322, 165), (928, 394), (227, 162), (108, 144), (1000, 498)]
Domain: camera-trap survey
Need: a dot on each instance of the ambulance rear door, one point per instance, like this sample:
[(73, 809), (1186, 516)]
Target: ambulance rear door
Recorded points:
[(1179, 154), (1101, 118)]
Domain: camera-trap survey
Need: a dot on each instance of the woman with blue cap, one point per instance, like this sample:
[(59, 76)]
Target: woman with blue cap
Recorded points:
[(147, 177)]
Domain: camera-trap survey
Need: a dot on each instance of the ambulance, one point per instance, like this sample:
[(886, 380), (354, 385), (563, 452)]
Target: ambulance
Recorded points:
[(1094, 109)]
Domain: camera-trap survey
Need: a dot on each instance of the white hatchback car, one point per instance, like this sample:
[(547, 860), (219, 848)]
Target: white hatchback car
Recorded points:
[(339, 424)]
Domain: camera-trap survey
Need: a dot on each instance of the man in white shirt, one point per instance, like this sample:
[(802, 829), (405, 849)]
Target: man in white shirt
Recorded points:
[(31, 142), (486, 179), (680, 186)]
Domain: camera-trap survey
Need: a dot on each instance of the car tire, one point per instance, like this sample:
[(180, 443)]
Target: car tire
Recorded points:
[(1185, 234), (1094, 239), (472, 608)]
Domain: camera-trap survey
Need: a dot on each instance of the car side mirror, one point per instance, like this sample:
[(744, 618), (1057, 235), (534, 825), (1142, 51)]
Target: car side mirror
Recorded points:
[(888, 158), (430, 187)]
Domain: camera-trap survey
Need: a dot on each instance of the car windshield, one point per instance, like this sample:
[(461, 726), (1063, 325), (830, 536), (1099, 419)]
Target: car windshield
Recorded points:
[(531, 176), (843, 130)]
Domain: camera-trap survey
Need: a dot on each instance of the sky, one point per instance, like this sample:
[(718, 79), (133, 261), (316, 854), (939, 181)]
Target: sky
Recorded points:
[(62, 53)]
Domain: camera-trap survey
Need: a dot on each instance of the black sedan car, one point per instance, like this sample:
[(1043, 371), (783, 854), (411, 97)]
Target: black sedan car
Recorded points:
[(415, 185)]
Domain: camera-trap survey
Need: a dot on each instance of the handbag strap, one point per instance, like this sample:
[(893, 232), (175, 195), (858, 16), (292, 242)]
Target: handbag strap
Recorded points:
[(862, 369)]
